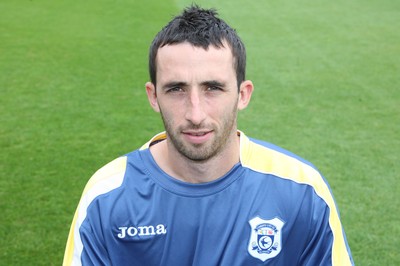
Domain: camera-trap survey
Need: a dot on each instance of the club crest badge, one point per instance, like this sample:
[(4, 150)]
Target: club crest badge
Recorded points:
[(265, 239)]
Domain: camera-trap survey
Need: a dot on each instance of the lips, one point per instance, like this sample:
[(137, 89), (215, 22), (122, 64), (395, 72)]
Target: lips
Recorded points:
[(197, 133), (197, 137)]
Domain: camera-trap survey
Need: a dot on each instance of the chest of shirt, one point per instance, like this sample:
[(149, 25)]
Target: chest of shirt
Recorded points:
[(153, 225)]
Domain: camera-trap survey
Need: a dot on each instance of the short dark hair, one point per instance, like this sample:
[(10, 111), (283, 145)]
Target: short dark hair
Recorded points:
[(201, 28)]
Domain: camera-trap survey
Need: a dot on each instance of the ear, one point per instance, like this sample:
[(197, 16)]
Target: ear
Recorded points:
[(245, 92), (152, 96)]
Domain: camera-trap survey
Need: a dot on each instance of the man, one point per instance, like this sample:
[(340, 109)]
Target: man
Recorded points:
[(203, 193)]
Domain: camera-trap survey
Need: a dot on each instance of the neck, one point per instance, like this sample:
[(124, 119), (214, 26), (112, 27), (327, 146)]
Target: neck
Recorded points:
[(187, 170)]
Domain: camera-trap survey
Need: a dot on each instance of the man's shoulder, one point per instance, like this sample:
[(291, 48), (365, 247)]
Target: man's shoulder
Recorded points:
[(278, 150), (109, 176), (252, 148), (268, 158)]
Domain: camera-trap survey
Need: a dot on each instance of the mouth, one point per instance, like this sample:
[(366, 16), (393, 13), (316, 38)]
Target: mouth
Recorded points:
[(197, 136)]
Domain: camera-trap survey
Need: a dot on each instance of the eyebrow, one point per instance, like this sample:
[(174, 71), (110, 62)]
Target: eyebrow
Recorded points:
[(173, 84), (208, 83), (212, 83)]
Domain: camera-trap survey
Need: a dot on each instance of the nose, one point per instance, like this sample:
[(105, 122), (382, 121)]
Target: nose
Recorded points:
[(195, 112)]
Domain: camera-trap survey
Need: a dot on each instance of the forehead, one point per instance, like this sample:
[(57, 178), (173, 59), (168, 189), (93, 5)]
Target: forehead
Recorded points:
[(184, 58)]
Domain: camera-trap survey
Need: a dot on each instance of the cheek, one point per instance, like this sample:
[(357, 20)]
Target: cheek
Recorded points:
[(171, 114), (224, 114), (229, 107)]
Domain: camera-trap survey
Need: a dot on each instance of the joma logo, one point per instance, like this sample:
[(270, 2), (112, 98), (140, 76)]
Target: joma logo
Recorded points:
[(147, 230)]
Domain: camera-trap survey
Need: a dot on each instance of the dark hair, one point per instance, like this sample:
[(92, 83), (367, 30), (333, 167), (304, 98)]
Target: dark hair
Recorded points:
[(202, 28)]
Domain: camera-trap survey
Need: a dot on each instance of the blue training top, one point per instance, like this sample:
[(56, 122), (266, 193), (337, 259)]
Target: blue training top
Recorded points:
[(272, 208)]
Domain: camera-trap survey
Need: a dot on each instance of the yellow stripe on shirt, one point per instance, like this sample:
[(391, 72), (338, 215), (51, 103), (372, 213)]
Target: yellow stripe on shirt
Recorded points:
[(269, 161), (104, 180)]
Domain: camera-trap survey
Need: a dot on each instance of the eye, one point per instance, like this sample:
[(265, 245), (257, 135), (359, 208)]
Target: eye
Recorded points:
[(214, 88), (175, 89)]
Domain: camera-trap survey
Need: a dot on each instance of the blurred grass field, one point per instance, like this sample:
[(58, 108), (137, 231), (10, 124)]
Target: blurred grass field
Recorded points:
[(72, 74)]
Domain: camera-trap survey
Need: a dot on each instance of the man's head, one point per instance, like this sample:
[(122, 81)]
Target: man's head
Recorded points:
[(200, 28), (197, 93)]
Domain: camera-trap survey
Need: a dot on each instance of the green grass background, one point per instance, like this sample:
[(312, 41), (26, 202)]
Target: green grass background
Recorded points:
[(72, 74)]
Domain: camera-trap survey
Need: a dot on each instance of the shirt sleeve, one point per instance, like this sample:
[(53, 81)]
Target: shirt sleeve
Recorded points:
[(84, 244), (323, 247), (94, 250)]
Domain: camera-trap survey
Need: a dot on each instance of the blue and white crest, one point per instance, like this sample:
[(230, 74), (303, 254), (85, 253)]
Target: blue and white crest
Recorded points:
[(265, 239)]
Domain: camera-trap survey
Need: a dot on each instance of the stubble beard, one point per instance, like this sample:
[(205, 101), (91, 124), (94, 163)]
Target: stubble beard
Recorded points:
[(206, 151)]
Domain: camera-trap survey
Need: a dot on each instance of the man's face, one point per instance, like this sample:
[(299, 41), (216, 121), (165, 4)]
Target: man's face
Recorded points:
[(197, 96)]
